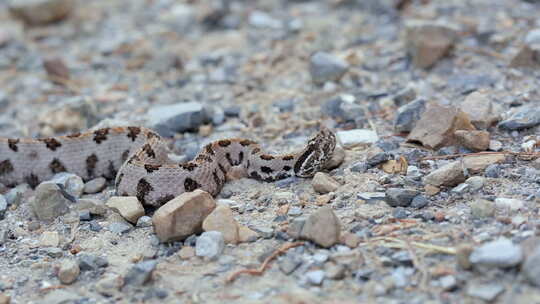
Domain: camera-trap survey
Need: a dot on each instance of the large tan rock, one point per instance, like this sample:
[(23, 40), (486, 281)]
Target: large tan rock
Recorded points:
[(324, 183), (322, 227), (478, 163), (222, 220), (429, 41), (481, 111), (474, 140), (448, 175), (437, 126), (36, 12), (183, 216), (129, 207)]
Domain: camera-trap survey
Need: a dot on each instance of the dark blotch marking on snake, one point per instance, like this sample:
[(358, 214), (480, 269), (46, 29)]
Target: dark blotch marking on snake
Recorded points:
[(12, 144), (6, 167), (149, 151), (190, 184), (224, 143), (101, 135), (209, 150), (56, 166), (51, 143), (266, 169), (164, 199), (266, 157), (143, 188), (91, 162), (151, 168), (188, 166), (133, 132), (32, 180)]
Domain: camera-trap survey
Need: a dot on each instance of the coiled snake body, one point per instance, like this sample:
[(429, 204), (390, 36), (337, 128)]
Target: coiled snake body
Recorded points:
[(137, 159)]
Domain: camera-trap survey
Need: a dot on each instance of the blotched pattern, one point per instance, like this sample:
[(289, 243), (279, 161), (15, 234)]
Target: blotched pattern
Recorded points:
[(137, 158)]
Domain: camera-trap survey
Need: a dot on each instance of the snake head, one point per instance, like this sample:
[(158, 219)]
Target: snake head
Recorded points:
[(317, 153)]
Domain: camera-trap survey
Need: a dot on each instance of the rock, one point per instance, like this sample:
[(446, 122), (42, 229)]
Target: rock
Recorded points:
[(4, 299), (397, 197), (222, 220), (355, 137), (246, 235), (37, 12), (264, 20), (531, 267), (72, 183), (295, 227), (475, 182), (210, 244), (404, 96), (448, 175), (68, 272), (187, 252), (54, 252), (323, 183), (509, 204), (56, 69), (343, 108), (478, 163), (289, 263), (408, 114), (177, 118), (334, 271), (487, 292), (140, 273), (315, 277), (474, 140), (129, 207), (95, 185), (429, 41), (528, 54), (499, 253), (350, 239), (419, 202), (463, 252), (480, 110), (49, 202), (49, 239), (144, 221), (183, 216), (437, 126), (322, 227), (3, 206), (14, 196), (337, 158), (481, 208), (119, 227), (492, 171), (109, 284), (89, 262), (325, 67), (94, 206), (527, 117), (448, 282)]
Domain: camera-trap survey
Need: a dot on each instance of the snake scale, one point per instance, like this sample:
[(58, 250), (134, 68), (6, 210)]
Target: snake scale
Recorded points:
[(136, 158)]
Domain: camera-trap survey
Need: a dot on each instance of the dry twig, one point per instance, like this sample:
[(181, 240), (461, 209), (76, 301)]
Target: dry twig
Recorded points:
[(397, 243), (450, 156), (259, 271)]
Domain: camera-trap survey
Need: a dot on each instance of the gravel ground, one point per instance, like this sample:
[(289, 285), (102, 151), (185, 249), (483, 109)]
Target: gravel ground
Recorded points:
[(431, 198)]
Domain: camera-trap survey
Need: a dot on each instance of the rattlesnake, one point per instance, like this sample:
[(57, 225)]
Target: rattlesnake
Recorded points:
[(137, 159)]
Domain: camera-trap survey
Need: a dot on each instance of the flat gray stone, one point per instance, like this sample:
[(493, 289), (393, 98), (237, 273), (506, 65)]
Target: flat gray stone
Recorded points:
[(326, 67), (499, 253), (210, 244)]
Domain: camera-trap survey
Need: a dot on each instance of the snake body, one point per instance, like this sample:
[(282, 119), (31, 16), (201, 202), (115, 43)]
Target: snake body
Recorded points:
[(136, 158)]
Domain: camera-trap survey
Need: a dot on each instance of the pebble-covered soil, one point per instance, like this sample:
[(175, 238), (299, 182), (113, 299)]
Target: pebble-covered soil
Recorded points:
[(431, 197)]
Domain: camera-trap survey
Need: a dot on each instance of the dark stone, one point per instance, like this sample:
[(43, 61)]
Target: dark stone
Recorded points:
[(397, 197)]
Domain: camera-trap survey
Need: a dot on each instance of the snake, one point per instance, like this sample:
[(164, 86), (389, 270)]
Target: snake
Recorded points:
[(138, 161)]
